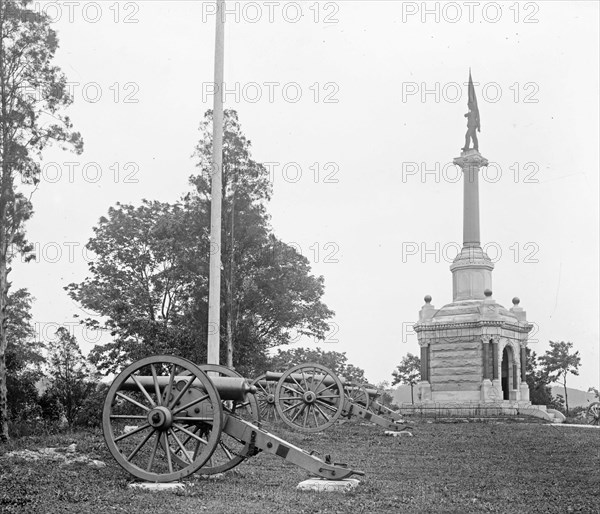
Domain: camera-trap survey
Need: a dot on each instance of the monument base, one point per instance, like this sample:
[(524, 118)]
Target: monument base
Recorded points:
[(498, 409)]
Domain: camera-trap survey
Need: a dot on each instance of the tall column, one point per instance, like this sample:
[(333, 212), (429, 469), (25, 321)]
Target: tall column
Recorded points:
[(425, 363), (494, 360), (486, 353), (472, 268), (523, 364), (471, 206)]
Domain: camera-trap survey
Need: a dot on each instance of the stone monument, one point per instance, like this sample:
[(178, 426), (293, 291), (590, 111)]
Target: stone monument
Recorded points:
[(473, 349)]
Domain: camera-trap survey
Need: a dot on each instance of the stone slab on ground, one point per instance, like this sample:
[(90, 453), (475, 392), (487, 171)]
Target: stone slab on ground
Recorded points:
[(575, 425), (157, 487), (393, 433), (321, 485)]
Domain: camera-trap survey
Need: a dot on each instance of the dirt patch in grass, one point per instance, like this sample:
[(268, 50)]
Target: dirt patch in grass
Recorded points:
[(445, 467)]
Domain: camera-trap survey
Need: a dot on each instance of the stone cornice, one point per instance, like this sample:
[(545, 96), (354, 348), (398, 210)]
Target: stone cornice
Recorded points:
[(435, 327)]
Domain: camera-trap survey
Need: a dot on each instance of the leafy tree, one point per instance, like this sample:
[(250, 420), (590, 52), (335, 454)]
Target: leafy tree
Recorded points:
[(267, 287), (69, 374), (149, 279), (408, 372), (150, 262), (32, 94), (335, 361), (558, 362), (540, 392), (385, 398), (23, 356)]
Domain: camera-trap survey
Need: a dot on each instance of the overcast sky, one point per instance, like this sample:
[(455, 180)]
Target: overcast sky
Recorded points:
[(361, 104)]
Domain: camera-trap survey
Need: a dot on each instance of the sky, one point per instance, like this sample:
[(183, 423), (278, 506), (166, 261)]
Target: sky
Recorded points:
[(357, 109)]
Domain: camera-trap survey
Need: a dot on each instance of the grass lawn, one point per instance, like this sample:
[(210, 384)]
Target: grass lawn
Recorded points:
[(445, 467)]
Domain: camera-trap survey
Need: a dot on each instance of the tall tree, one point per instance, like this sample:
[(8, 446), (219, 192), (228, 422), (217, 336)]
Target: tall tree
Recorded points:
[(267, 286), (408, 372), (32, 94), (558, 362), (157, 255), (23, 355), (69, 374)]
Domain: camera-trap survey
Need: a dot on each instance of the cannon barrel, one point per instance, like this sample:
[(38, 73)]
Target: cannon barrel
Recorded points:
[(327, 380), (229, 388)]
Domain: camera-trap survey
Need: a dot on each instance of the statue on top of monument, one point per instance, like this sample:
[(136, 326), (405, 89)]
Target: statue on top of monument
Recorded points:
[(473, 123)]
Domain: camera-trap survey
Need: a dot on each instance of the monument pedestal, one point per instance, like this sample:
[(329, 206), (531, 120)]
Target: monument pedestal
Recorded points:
[(472, 349)]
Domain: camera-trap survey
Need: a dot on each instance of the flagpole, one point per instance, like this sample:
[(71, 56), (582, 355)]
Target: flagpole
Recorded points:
[(214, 291)]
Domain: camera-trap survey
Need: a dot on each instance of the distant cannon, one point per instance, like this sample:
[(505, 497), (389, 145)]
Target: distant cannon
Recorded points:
[(310, 398), (165, 418)]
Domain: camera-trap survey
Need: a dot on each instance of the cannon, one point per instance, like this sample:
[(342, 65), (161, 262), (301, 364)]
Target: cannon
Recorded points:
[(310, 398), (164, 418)]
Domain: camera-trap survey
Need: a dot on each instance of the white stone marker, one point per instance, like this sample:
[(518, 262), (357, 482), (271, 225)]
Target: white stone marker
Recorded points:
[(393, 433), (321, 485), (157, 487)]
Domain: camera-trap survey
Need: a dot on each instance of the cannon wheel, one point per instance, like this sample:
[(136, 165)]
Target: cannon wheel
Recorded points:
[(309, 397), (229, 452), (357, 394), (266, 398), (592, 416), (142, 425)]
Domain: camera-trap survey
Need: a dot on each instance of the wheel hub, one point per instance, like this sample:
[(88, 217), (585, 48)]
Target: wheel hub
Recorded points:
[(160, 418), (309, 397)]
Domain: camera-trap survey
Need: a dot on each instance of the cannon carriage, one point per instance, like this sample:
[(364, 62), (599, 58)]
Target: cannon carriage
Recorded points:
[(165, 418), (310, 398)]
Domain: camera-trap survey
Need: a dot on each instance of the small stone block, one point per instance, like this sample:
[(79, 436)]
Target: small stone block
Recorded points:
[(157, 487), (393, 433), (321, 485)]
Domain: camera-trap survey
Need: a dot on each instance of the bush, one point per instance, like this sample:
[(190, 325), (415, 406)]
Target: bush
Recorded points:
[(90, 412)]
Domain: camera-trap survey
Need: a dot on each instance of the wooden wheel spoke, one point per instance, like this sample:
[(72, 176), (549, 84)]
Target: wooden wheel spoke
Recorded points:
[(131, 400), (191, 434), (290, 408), (226, 450), (320, 382), (153, 454), (322, 413), (127, 416), (167, 450), (328, 387), (292, 389), (132, 432), (181, 446), (156, 386), (325, 404), (332, 397), (139, 446), (302, 389), (314, 412), (300, 411), (143, 390), (306, 412), (190, 404), (167, 392), (182, 392)]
